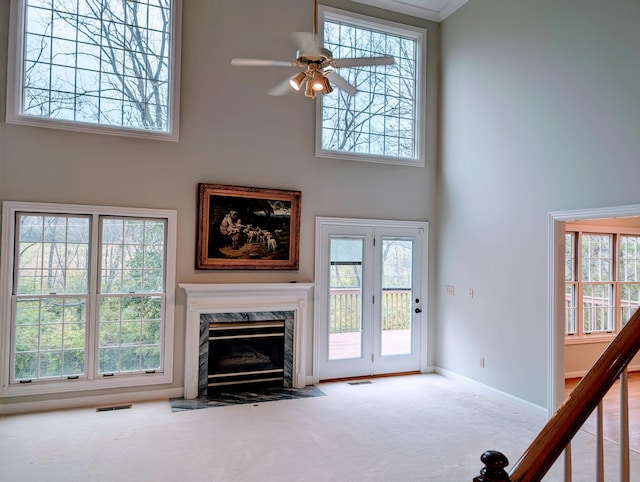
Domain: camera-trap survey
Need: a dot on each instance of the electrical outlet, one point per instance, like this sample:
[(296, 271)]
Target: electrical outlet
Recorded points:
[(481, 362), (450, 290), (471, 293)]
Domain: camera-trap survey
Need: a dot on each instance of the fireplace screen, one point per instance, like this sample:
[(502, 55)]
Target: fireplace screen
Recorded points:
[(246, 353)]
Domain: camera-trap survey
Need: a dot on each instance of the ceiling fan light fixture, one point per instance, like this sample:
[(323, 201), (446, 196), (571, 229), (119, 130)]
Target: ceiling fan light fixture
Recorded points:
[(317, 81), (326, 86), (309, 92), (297, 81)]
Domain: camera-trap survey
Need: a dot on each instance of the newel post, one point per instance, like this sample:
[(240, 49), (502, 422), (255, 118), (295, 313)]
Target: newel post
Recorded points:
[(494, 464)]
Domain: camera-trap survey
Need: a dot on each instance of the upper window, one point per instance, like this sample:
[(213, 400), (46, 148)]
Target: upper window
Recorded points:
[(107, 66), (384, 121), (602, 281), (87, 300)]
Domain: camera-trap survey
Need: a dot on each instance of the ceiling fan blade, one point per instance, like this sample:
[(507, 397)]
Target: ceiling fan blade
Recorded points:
[(307, 43), (283, 88), (363, 61), (341, 83), (262, 63)]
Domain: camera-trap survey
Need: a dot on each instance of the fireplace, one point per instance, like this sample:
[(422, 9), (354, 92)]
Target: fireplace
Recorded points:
[(243, 335), (242, 354), (245, 349)]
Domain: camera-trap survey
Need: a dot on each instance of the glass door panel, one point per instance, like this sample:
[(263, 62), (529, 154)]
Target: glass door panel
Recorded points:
[(397, 295), (345, 298)]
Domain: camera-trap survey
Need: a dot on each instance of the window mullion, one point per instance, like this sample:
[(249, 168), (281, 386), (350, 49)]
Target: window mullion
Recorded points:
[(94, 306), (617, 315), (579, 287)]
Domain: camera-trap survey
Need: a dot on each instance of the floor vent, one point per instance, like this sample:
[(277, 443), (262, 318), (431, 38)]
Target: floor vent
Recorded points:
[(364, 382), (110, 409)]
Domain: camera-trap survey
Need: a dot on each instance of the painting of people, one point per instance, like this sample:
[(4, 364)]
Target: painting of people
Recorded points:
[(247, 228)]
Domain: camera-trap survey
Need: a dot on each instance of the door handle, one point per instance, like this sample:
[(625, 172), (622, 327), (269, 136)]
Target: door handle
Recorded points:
[(418, 310)]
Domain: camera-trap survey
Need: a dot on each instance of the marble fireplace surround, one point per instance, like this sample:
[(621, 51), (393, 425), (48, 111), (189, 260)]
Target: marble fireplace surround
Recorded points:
[(205, 298)]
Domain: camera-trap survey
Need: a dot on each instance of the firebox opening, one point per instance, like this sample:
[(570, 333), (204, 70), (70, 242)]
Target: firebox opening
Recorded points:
[(243, 355)]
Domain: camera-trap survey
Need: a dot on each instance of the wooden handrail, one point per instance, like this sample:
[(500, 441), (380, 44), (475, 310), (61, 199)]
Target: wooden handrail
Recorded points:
[(571, 415)]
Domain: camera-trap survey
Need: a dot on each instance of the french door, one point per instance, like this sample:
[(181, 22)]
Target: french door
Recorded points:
[(369, 296)]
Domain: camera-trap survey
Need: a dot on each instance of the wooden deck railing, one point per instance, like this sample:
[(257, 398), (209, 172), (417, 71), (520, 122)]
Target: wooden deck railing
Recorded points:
[(346, 310), (565, 423)]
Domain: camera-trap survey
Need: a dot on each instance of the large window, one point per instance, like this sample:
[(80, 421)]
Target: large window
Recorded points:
[(384, 121), (106, 66), (602, 281), (86, 297)]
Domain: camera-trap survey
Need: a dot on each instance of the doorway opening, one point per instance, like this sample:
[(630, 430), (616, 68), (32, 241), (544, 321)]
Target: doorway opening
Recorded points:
[(579, 304)]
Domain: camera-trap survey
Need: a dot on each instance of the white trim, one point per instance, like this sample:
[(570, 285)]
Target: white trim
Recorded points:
[(321, 222), (93, 401), (393, 28), (555, 312), (507, 396), (238, 298), (14, 80), (451, 7), (415, 10), (9, 210)]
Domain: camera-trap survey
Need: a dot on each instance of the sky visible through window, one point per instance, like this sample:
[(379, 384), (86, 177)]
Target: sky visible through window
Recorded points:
[(98, 61), (381, 119)]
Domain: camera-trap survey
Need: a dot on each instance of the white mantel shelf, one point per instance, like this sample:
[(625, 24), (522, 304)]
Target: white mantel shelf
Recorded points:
[(238, 298), (238, 289)]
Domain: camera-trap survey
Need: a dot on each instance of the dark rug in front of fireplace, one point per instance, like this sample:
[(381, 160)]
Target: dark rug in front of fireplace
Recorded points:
[(258, 395)]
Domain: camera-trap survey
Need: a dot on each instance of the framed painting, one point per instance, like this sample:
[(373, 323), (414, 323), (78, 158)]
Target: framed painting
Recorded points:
[(247, 228)]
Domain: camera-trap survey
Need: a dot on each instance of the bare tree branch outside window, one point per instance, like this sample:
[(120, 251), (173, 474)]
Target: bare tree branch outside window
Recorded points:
[(381, 119), (98, 61)]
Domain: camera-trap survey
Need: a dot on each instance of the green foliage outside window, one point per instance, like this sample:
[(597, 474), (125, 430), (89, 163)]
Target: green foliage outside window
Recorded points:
[(53, 265)]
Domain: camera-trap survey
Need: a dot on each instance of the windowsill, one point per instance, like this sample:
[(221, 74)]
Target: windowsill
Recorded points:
[(91, 128), (351, 156), (586, 339), (70, 386)]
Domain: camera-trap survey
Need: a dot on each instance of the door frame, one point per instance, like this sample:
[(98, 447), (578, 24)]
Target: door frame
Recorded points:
[(556, 322), (322, 221)]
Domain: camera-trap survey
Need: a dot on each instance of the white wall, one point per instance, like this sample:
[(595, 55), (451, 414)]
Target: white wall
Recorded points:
[(232, 132), (540, 113)]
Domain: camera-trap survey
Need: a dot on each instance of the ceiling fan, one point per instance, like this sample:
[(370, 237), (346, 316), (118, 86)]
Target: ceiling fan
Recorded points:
[(317, 63)]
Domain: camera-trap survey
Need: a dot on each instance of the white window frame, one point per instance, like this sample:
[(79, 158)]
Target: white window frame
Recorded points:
[(92, 381), (15, 84), (420, 37), (577, 229)]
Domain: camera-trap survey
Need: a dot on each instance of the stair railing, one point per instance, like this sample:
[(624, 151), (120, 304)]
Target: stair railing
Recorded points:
[(557, 434)]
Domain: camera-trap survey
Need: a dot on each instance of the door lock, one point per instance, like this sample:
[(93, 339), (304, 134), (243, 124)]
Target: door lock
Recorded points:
[(418, 310)]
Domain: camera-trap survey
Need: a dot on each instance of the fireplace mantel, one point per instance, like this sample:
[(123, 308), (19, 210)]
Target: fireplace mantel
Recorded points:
[(240, 298)]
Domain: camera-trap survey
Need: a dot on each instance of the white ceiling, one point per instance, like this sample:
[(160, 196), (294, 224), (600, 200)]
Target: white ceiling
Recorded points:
[(436, 10)]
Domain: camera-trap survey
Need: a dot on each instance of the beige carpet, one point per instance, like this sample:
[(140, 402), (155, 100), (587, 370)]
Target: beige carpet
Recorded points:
[(410, 428)]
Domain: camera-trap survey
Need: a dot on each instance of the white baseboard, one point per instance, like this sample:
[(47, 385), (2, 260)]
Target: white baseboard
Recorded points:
[(463, 379), (93, 401)]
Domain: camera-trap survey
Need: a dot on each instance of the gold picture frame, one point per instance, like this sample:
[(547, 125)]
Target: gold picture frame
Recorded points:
[(247, 228)]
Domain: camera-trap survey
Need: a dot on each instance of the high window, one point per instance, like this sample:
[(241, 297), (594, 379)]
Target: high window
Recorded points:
[(602, 281), (384, 121), (107, 66), (86, 297)]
